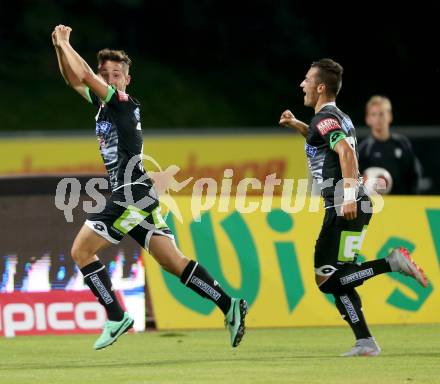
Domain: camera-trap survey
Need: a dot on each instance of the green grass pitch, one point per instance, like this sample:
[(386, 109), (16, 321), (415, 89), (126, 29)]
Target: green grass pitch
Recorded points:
[(411, 354)]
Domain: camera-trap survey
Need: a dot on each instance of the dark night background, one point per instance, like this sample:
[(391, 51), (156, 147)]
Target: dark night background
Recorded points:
[(206, 63)]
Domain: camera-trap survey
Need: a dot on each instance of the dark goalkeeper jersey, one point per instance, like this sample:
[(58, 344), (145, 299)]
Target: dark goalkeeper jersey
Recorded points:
[(329, 126), (119, 133), (397, 157)]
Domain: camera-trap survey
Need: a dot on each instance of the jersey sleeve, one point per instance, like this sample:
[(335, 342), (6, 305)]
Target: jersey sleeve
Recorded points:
[(109, 99), (92, 98), (329, 127), (118, 100), (123, 110)]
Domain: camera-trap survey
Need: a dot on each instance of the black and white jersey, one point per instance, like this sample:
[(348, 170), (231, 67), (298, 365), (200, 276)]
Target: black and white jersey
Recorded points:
[(395, 155), (119, 133), (329, 126)]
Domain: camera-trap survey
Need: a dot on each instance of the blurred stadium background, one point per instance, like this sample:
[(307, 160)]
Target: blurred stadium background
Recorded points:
[(213, 78)]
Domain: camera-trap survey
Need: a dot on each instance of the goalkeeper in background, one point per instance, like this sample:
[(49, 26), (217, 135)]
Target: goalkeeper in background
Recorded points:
[(332, 155)]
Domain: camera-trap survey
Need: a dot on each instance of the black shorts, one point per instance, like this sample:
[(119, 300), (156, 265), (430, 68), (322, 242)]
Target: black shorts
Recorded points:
[(340, 240), (132, 210)]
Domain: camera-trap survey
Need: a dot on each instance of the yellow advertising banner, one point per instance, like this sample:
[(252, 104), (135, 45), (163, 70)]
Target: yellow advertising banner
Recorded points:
[(267, 257), (196, 156)]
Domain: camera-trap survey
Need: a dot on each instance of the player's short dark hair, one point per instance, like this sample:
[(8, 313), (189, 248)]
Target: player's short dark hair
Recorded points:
[(113, 55), (330, 74)]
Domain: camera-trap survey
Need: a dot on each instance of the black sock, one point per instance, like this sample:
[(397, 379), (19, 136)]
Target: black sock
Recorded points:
[(352, 275), (197, 278), (97, 279), (379, 266), (350, 307)]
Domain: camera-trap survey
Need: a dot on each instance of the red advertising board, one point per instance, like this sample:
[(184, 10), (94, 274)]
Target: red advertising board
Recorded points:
[(54, 312), (42, 291)]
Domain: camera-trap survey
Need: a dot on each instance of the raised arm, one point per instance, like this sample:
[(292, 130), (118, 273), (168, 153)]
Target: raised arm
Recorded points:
[(289, 120), (68, 75), (75, 68)]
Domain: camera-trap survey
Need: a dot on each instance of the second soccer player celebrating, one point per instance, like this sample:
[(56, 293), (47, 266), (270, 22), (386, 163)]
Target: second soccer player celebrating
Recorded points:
[(133, 207), (331, 151)]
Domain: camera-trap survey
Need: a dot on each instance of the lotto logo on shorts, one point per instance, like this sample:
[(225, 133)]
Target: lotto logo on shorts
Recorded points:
[(98, 227), (327, 125)]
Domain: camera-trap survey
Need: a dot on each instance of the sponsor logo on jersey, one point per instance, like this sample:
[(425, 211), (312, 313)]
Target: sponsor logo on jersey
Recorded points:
[(398, 153), (103, 127), (327, 125), (122, 96), (310, 150)]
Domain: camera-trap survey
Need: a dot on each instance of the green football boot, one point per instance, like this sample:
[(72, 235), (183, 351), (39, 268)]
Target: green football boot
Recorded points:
[(112, 330), (234, 320)]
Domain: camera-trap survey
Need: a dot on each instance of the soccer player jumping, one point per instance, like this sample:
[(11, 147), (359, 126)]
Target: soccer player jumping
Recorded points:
[(133, 207), (331, 151)]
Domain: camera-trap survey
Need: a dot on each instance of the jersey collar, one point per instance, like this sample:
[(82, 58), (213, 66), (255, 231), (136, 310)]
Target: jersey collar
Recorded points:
[(333, 103)]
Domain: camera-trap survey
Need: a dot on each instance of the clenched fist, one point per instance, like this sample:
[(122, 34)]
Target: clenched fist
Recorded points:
[(61, 33), (287, 119)]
